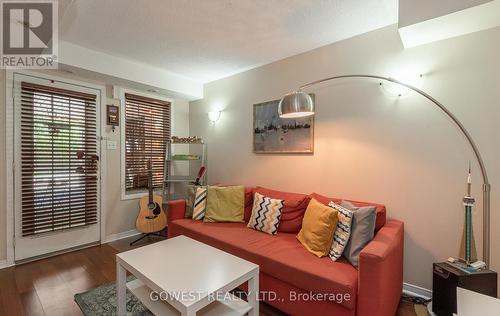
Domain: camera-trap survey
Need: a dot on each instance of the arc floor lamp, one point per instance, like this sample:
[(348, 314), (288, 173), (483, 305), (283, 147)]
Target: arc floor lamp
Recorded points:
[(300, 104)]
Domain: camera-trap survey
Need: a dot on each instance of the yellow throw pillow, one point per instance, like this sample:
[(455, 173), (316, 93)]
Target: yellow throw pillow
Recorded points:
[(225, 204), (318, 227)]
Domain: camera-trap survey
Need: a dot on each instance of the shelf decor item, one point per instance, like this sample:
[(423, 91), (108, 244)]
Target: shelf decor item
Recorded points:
[(273, 134), (468, 252), (185, 157), (186, 140), (300, 104)]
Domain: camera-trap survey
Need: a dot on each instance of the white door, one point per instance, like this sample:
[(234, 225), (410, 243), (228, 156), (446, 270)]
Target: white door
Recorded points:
[(56, 165)]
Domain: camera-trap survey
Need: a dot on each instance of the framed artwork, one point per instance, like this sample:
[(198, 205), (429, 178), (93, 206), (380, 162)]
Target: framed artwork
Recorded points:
[(272, 134)]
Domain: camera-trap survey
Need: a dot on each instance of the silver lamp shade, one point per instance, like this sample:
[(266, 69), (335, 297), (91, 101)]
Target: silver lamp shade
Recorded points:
[(296, 104)]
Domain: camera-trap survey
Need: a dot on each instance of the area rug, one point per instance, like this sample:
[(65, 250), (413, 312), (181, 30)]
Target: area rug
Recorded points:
[(102, 301)]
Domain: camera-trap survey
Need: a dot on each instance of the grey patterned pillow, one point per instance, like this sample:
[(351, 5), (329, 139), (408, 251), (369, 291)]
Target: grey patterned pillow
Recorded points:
[(362, 230)]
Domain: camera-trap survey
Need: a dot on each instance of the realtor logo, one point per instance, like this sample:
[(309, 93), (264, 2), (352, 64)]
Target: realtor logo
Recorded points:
[(29, 36)]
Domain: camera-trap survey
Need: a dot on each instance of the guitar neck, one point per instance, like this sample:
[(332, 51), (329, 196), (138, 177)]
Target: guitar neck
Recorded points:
[(150, 182), (150, 194)]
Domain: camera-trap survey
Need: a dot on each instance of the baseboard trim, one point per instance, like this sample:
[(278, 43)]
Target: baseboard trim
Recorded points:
[(415, 290), (125, 234), (110, 238), (4, 264)]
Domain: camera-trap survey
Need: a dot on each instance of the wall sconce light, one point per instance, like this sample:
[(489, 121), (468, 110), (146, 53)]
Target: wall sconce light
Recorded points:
[(398, 90), (214, 116)]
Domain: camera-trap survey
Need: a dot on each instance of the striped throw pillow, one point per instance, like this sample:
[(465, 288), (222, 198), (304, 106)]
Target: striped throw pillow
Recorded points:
[(266, 214), (200, 203), (342, 232)]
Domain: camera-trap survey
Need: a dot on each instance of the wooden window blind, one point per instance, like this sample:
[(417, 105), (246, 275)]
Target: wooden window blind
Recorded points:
[(58, 159), (147, 129)]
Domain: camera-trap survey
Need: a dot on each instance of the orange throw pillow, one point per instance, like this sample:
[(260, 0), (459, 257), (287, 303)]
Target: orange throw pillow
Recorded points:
[(318, 227)]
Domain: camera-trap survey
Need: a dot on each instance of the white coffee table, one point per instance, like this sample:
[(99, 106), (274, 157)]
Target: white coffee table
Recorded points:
[(190, 277)]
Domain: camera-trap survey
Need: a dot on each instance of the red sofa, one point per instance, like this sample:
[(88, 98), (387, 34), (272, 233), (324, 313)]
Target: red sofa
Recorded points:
[(291, 278)]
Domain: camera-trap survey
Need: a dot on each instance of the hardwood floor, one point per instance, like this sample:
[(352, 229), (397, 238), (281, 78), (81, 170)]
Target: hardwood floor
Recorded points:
[(48, 286)]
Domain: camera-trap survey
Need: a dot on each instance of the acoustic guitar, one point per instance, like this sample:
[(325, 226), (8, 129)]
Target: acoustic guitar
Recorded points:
[(151, 217)]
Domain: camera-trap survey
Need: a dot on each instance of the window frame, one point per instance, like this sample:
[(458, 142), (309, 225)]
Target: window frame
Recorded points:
[(119, 93)]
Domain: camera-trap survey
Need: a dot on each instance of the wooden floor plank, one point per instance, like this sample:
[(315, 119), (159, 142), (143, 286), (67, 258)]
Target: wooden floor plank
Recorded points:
[(31, 303), (74, 274), (89, 266), (2, 309), (24, 276), (55, 295), (11, 300), (95, 263)]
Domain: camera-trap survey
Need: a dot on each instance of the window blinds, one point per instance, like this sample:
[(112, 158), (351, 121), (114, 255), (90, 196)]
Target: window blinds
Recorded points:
[(58, 159), (147, 129)]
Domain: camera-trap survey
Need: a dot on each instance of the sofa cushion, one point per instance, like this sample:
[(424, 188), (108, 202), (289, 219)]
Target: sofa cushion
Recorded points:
[(248, 204), (200, 203), (380, 210), (342, 231), (293, 211), (247, 212), (318, 228), (280, 256), (190, 196), (363, 227), (266, 214), (225, 204)]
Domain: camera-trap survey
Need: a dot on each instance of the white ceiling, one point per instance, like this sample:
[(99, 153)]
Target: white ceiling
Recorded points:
[(209, 39)]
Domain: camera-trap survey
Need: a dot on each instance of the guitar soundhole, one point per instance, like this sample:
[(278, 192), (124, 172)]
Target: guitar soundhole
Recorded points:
[(155, 208)]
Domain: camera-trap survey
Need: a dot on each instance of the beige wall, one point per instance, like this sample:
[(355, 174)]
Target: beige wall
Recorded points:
[(120, 215), (3, 188), (369, 145)]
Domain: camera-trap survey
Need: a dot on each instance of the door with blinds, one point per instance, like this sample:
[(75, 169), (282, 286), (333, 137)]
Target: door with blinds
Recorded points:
[(57, 194)]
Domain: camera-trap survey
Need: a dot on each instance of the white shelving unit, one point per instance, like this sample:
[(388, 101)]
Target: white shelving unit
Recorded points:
[(193, 162)]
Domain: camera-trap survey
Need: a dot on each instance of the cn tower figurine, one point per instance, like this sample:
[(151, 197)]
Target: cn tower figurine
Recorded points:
[(469, 202)]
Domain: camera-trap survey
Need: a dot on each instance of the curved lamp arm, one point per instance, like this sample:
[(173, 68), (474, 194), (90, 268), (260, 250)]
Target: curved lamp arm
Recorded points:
[(486, 184)]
